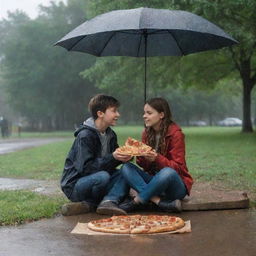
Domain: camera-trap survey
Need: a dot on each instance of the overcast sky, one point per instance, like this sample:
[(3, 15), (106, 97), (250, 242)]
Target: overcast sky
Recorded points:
[(30, 7)]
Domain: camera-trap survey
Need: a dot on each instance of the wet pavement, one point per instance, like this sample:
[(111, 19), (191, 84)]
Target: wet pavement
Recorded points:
[(214, 233), (12, 145)]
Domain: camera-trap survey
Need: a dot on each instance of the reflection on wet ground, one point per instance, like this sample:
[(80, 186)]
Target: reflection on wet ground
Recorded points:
[(214, 233)]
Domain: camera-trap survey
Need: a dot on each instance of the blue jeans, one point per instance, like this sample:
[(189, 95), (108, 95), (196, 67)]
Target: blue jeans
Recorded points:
[(93, 187), (166, 184), (118, 188)]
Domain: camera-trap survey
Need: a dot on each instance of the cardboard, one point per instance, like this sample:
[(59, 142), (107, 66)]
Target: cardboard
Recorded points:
[(82, 229)]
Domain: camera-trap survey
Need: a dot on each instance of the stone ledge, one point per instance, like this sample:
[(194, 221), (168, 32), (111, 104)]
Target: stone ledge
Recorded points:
[(205, 196)]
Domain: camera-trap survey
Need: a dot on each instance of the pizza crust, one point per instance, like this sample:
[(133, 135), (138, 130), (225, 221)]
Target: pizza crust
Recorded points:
[(107, 230)]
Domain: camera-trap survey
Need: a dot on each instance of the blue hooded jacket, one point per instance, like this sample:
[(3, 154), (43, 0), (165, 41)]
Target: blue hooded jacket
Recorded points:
[(84, 157)]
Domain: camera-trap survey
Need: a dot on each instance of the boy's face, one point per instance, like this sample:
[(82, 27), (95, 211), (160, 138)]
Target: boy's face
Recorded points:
[(110, 116)]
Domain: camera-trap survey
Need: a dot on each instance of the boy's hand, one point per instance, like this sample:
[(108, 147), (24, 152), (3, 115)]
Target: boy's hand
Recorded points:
[(150, 156), (120, 157)]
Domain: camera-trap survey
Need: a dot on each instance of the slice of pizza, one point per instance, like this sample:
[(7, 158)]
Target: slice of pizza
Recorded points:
[(134, 147)]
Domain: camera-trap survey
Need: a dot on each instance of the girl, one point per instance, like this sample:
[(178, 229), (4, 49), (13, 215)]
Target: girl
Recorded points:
[(164, 179)]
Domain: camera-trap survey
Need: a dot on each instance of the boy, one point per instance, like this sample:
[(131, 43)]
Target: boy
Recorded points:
[(90, 167)]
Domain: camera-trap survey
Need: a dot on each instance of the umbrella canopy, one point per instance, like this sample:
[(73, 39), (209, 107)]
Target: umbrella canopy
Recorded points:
[(144, 32)]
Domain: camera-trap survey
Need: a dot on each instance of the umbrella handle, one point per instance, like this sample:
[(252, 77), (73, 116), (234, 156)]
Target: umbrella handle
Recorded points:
[(145, 64)]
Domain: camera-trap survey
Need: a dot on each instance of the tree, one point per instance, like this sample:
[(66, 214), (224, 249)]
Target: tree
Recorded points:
[(43, 81), (237, 18)]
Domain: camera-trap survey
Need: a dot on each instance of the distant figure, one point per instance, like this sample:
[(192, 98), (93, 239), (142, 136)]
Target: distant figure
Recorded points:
[(19, 125), (4, 127)]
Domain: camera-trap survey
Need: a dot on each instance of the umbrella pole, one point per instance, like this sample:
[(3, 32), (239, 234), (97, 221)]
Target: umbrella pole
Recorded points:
[(145, 66)]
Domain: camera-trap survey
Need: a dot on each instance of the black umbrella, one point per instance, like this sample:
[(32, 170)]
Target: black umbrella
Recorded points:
[(144, 32)]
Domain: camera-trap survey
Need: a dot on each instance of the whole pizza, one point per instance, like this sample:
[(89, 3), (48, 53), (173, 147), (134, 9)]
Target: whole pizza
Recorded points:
[(133, 147), (137, 224)]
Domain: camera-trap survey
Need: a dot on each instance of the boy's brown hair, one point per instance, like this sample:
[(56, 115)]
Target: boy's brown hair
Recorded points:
[(101, 102)]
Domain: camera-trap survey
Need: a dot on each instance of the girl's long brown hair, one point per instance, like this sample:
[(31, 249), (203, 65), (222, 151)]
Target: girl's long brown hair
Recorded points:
[(160, 105)]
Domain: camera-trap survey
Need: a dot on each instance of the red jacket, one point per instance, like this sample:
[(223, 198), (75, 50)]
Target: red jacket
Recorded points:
[(173, 157)]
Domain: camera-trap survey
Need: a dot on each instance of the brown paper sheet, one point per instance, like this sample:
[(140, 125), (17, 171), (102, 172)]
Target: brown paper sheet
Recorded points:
[(82, 228)]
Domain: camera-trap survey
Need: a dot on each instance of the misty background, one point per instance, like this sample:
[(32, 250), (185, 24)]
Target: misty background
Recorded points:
[(44, 88)]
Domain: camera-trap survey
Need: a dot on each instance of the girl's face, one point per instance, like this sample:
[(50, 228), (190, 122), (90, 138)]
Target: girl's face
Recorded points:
[(152, 117)]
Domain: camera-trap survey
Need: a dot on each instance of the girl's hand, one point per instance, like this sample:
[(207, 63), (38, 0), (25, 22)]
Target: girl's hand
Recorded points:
[(120, 157), (150, 156)]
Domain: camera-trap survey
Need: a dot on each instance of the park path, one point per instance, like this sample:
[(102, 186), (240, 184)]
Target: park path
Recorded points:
[(12, 145)]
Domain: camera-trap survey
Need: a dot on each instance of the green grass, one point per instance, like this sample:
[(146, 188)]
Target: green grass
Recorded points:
[(16, 207), (44, 162), (222, 155), (216, 154)]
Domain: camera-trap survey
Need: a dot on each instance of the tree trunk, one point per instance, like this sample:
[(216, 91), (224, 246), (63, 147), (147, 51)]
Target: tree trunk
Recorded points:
[(247, 122)]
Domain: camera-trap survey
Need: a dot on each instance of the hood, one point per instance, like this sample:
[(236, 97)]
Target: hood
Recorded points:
[(172, 129), (89, 123), (79, 129)]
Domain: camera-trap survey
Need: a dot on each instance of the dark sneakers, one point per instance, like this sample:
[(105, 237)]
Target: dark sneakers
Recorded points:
[(130, 206), (167, 206), (75, 208), (110, 208)]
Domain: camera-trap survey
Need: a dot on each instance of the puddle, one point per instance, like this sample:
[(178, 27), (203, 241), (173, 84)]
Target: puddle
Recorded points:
[(39, 186)]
